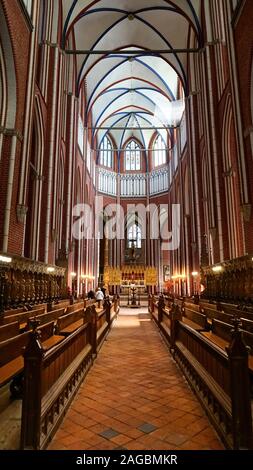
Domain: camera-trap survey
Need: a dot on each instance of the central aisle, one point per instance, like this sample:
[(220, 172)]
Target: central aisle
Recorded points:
[(135, 397)]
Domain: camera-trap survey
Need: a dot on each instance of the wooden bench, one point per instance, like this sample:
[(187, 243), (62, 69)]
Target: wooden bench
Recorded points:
[(47, 336), (37, 307), (248, 339), (166, 321), (24, 309), (113, 310), (195, 320), (247, 324), (69, 323), (9, 331), (14, 311), (48, 317), (62, 304), (102, 324), (207, 305), (229, 308), (89, 302), (214, 375), (50, 383), (221, 336), (220, 342), (222, 329), (99, 310), (236, 312), (22, 318), (75, 307), (11, 358), (218, 378), (218, 315), (11, 355)]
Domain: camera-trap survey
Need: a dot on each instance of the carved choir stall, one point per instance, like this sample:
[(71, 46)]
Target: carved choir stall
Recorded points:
[(231, 280), (23, 281)]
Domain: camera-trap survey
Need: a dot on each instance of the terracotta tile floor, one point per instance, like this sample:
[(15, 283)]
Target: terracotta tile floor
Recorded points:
[(135, 397)]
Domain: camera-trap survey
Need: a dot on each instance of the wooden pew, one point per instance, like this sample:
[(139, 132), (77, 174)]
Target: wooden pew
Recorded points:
[(47, 336), (207, 305), (194, 319), (220, 334), (103, 325), (38, 307), (237, 312), (150, 303), (220, 380), (75, 307), (227, 314), (11, 354), (47, 317), (30, 308), (179, 302), (247, 324), (218, 315), (230, 309), (11, 358), (14, 311), (70, 322), (51, 380), (114, 308), (161, 314), (193, 306), (9, 331), (22, 318), (166, 322), (61, 304), (221, 377), (100, 324), (89, 302)]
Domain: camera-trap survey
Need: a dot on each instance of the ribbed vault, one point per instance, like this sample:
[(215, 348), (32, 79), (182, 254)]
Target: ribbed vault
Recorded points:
[(132, 90)]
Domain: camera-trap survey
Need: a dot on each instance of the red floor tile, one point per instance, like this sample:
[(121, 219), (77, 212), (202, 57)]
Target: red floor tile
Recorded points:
[(134, 383)]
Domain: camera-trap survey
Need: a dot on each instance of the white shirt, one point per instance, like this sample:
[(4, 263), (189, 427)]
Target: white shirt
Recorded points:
[(99, 295)]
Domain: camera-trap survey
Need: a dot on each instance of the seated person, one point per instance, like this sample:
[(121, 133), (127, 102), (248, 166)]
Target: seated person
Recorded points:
[(91, 295)]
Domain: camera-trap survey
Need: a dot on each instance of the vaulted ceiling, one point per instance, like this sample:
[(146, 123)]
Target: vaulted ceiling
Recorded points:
[(129, 91)]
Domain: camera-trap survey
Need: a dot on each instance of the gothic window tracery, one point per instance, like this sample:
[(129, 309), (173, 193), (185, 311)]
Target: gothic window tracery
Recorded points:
[(159, 152), (133, 156), (106, 153), (134, 236)]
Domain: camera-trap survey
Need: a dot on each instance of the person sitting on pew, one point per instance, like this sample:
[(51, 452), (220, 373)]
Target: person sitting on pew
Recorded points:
[(91, 295)]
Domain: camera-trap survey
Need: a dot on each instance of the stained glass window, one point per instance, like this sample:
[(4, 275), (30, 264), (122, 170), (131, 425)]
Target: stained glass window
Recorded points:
[(133, 156), (159, 152), (134, 236), (106, 153)]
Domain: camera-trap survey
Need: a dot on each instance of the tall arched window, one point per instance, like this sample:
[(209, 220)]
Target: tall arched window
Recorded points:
[(133, 156), (134, 236), (159, 152), (106, 153)]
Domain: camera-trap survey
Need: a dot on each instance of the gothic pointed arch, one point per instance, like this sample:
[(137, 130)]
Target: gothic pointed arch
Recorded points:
[(230, 174), (8, 88), (35, 186)]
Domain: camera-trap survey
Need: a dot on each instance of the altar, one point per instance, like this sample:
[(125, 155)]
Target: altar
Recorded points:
[(141, 277), (134, 297), (125, 288)]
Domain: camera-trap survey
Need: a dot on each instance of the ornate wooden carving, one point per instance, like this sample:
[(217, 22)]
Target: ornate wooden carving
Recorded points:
[(233, 283), (25, 281)]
